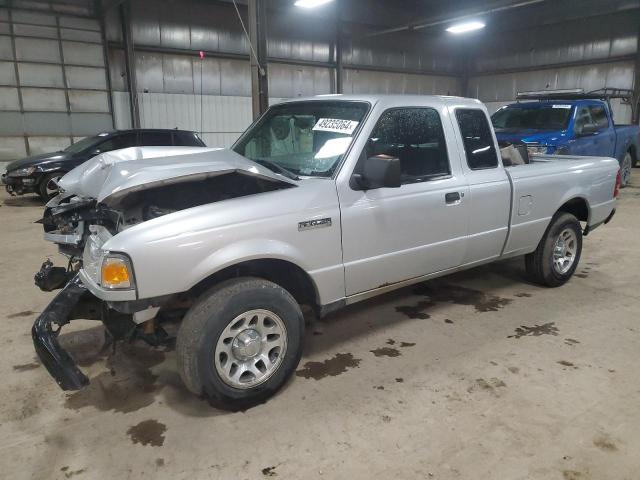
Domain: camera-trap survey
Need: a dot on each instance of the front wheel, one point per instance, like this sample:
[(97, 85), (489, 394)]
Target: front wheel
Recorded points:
[(240, 342), (558, 253), (48, 187)]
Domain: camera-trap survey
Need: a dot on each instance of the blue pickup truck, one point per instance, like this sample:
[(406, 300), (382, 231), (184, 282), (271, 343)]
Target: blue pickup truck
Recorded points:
[(570, 124)]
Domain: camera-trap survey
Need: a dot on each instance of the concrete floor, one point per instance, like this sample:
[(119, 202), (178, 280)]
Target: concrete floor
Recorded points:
[(478, 375)]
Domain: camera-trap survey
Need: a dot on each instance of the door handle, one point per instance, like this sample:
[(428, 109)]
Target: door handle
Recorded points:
[(452, 198)]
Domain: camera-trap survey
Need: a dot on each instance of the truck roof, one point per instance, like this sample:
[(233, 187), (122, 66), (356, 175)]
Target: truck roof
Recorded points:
[(389, 101)]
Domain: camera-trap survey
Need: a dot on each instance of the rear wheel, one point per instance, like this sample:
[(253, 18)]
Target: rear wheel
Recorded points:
[(48, 187), (240, 342), (625, 170), (558, 253)]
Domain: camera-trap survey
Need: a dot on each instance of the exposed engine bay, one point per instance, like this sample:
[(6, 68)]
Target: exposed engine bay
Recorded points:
[(67, 222)]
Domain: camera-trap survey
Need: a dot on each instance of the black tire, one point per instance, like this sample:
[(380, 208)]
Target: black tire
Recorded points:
[(208, 318), (625, 170), (540, 264), (45, 193)]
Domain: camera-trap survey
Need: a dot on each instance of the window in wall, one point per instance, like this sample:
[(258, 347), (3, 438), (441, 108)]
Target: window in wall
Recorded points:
[(599, 116), (478, 141), (415, 136)]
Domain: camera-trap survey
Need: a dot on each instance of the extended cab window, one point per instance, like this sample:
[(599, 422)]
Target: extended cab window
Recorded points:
[(599, 116), (583, 117), (478, 141), (415, 136)]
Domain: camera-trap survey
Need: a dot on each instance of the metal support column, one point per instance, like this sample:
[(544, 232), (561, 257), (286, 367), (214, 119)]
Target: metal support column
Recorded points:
[(258, 55), (338, 48), (130, 64)]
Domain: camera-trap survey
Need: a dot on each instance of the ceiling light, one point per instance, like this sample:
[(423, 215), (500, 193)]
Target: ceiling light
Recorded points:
[(465, 27), (310, 3)]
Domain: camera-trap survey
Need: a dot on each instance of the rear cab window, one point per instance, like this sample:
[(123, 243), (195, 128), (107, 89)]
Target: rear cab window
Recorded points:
[(476, 135), (416, 137), (599, 116)]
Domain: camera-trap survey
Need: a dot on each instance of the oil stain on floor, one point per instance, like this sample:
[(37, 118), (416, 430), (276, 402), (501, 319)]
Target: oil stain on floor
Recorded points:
[(26, 313), (26, 366), (68, 473), (331, 367), (148, 432), (448, 293), (128, 386), (386, 352), (535, 331)]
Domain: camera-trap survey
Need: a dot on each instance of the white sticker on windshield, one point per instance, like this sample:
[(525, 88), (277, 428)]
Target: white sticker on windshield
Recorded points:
[(561, 106), (336, 125)]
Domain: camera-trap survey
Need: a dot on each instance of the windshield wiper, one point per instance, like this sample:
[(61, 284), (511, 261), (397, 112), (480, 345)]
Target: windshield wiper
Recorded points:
[(274, 167)]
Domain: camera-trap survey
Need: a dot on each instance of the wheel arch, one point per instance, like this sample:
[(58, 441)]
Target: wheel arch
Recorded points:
[(285, 273), (578, 207)]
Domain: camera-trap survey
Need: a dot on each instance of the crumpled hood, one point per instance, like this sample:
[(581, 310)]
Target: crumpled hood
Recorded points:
[(112, 175)]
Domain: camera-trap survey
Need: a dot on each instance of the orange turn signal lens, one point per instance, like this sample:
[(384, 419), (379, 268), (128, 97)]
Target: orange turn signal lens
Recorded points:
[(115, 273)]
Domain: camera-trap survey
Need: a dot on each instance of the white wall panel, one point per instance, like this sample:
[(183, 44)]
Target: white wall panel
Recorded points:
[(7, 73), (365, 81), (44, 99), (12, 148), (47, 144), (497, 90), (88, 101), (224, 119), (9, 99)]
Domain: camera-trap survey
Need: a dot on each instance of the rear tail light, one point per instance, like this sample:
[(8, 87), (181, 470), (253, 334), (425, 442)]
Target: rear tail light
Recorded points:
[(616, 189)]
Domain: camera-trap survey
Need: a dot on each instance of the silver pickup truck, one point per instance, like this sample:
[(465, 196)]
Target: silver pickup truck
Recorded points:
[(321, 203)]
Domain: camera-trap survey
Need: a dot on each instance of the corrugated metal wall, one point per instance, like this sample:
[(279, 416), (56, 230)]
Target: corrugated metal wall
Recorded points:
[(590, 54), (53, 83), (168, 67)]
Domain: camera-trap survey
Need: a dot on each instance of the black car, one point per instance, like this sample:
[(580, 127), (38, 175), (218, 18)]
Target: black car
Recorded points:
[(40, 173)]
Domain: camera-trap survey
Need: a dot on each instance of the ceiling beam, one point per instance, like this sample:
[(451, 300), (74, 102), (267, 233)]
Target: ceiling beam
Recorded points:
[(496, 6)]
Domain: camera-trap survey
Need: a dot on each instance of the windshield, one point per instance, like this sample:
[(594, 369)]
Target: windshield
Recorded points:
[(551, 117), (303, 138), (84, 144)]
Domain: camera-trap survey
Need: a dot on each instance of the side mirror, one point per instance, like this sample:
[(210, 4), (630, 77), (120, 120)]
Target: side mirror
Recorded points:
[(589, 129), (380, 171)]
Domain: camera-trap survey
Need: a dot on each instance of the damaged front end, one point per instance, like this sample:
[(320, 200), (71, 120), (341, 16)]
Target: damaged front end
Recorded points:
[(101, 199), (123, 321), (118, 190), (73, 301)]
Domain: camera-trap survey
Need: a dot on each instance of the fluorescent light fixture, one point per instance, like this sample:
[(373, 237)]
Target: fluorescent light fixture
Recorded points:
[(465, 27), (311, 3)]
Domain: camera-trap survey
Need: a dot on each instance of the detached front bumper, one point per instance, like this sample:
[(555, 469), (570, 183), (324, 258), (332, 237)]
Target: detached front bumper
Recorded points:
[(45, 337)]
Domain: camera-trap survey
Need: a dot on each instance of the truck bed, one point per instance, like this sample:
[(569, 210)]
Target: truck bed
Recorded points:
[(565, 177)]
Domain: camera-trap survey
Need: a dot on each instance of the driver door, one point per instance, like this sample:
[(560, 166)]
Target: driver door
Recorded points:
[(394, 234)]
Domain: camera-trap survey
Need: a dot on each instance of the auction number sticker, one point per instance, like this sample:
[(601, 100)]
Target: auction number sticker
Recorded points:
[(335, 125), (561, 106)]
